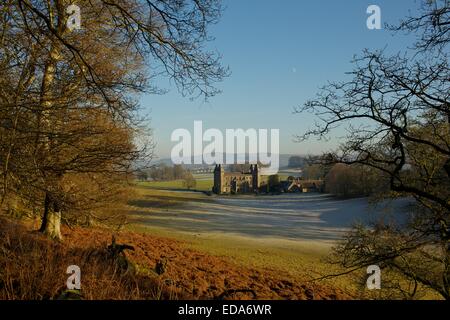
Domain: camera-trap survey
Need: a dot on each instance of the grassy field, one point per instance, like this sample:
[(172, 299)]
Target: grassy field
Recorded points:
[(202, 184), (303, 260), (298, 259)]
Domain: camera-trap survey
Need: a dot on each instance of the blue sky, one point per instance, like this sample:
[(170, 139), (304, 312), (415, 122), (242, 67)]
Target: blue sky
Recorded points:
[(279, 54)]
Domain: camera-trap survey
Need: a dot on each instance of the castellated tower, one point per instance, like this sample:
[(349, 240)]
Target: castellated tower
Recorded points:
[(218, 179), (236, 182), (255, 177)]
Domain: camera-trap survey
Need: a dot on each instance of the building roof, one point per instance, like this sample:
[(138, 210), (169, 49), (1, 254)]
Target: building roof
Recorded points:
[(237, 174)]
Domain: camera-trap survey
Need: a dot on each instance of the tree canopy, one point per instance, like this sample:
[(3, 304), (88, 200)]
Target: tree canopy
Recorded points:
[(69, 118)]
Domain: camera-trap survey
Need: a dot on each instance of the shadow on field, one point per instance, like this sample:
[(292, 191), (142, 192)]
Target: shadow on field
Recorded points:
[(308, 217)]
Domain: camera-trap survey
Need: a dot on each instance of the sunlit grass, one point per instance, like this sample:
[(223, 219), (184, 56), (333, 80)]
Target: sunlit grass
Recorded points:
[(201, 184)]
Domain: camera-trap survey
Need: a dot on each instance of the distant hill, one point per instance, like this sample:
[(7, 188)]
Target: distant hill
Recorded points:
[(283, 158)]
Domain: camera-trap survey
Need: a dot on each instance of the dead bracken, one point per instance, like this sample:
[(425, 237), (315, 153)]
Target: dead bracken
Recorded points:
[(180, 273)]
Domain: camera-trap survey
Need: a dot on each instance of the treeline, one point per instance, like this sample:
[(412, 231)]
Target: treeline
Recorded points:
[(354, 180), (296, 162), (163, 173), (340, 179), (167, 173), (344, 180)]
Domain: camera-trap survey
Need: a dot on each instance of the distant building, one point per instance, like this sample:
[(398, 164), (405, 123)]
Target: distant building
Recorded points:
[(238, 182), (253, 182), (300, 185)]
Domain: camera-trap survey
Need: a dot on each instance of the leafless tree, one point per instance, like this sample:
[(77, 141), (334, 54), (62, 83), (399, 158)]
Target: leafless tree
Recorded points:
[(397, 112)]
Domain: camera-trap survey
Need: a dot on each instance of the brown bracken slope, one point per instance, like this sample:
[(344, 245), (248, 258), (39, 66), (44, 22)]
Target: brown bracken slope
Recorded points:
[(34, 267)]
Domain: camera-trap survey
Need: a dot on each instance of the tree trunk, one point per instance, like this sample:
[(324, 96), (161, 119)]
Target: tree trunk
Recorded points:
[(51, 221)]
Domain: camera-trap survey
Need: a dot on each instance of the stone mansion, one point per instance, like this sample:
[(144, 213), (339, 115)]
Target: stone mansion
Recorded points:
[(238, 182), (253, 182)]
